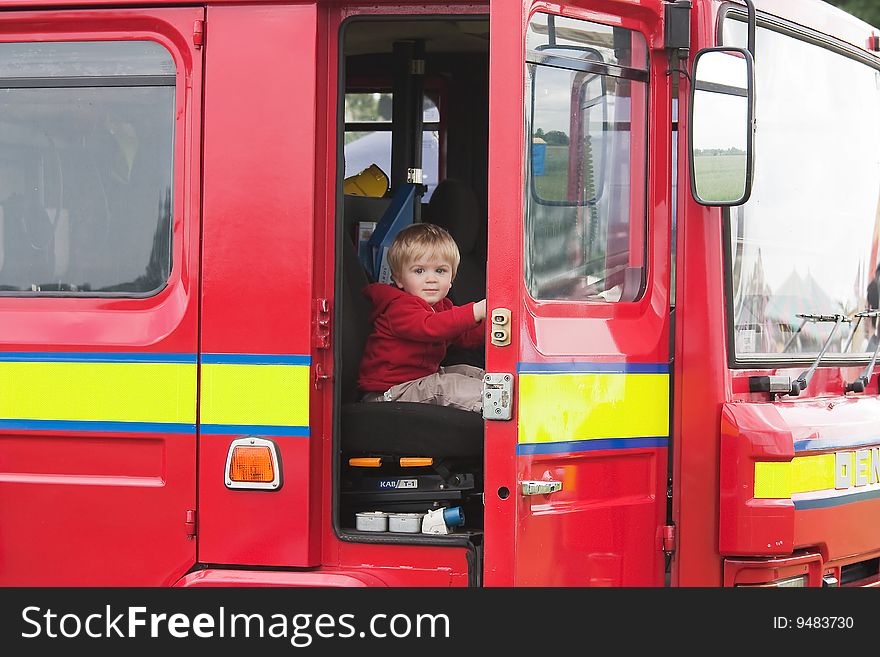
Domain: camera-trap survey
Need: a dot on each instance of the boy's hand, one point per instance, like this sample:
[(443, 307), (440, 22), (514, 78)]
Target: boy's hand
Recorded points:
[(480, 311)]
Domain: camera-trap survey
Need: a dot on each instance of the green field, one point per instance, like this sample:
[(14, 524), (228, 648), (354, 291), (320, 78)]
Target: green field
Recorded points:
[(720, 177), (553, 184)]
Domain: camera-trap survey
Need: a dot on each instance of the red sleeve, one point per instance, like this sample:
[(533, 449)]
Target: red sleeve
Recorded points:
[(408, 318), (475, 337)]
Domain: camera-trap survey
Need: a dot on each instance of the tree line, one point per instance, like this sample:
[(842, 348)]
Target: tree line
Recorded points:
[(867, 10)]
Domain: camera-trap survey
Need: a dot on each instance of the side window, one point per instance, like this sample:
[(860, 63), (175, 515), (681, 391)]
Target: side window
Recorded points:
[(368, 135), (586, 148), (86, 158)]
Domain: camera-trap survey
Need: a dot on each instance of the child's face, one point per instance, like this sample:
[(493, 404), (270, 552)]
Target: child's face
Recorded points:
[(428, 277)]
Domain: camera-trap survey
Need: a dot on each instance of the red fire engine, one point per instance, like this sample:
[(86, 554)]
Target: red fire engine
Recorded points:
[(672, 208)]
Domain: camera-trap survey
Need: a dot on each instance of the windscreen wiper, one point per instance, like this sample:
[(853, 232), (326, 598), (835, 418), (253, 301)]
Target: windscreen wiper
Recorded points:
[(794, 335), (861, 382), (855, 329), (803, 380)]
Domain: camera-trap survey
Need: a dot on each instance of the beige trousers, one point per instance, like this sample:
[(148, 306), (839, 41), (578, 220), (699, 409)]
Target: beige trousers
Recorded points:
[(460, 386)]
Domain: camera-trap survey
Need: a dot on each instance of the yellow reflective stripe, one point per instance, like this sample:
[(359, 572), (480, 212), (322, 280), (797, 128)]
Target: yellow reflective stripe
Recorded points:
[(109, 392), (255, 394), (579, 406), (800, 475)]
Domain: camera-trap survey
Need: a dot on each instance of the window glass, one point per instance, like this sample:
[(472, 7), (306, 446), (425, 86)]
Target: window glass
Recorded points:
[(585, 194), (807, 240), (84, 58), (85, 168), (610, 45), (368, 136)]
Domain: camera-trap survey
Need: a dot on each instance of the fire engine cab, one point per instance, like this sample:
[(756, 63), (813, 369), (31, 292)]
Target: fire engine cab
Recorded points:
[(671, 207)]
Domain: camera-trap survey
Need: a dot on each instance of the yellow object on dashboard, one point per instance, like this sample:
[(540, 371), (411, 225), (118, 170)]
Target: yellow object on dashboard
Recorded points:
[(372, 181)]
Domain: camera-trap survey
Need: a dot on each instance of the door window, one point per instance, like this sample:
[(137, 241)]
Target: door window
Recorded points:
[(586, 116)]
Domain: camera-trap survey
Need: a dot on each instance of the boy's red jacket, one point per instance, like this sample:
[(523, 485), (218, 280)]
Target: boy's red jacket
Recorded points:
[(410, 336)]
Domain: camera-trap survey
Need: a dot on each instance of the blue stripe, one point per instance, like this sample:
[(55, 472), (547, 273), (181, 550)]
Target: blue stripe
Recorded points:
[(827, 502), (93, 357), (151, 427), (256, 359), (818, 444), (253, 429), (592, 368), (128, 357), (590, 445), (88, 425)]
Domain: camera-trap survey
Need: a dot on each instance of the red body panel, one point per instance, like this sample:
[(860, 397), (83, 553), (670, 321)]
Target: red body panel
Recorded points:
[(749, 526), (67, 496), (383, 566), (700, 370), (835, 526), (71, 525), (602, 529), (712, 507), (257, 263)]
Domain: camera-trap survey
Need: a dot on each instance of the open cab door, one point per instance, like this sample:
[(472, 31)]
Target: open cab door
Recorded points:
[(578, 296)]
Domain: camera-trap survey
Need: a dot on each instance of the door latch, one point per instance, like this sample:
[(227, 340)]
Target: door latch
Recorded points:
[(497, 396), (540, 487), (500, 334)]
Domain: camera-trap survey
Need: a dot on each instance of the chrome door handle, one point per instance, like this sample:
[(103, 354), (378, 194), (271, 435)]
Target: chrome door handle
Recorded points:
[(540, 487)]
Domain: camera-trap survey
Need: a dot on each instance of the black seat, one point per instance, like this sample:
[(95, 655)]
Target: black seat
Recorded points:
[(453, 438), (454, 206)]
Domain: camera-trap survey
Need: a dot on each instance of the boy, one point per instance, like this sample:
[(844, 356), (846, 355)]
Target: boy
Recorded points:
[(414, 322)]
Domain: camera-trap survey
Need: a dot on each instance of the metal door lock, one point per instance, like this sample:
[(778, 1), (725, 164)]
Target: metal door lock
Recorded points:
[(497, 396)]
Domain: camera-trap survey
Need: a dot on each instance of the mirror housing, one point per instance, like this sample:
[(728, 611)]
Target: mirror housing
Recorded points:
[(721, 126)]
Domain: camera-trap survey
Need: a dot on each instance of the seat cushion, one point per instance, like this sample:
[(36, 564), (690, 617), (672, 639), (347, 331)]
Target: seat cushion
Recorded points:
[(411, 429)]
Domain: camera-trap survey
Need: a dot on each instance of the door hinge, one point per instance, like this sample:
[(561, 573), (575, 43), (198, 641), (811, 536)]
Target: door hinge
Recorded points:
[(669, 539), (320, 375), (322, 324), (199, 33), (190, 524)]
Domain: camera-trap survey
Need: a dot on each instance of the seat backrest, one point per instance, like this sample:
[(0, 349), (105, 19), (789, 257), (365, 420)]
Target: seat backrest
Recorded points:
[(28, 242), (454, 206), (354, 309)]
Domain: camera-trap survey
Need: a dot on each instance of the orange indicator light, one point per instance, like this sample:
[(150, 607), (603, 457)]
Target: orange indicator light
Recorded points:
[(251, 464)]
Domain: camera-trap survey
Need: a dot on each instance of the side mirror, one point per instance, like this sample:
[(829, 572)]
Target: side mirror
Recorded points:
[(721, 126)]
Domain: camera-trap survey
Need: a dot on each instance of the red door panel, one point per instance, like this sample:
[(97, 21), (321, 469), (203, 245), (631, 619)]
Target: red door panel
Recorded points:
[(98, 305), (578, 252)]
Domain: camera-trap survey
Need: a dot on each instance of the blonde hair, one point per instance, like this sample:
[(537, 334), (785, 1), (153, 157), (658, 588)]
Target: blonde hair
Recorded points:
[(421, 240)]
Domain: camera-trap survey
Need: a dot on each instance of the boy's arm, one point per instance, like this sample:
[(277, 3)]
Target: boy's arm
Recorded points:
[(476, 336), (471, 338), (408, 318)]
